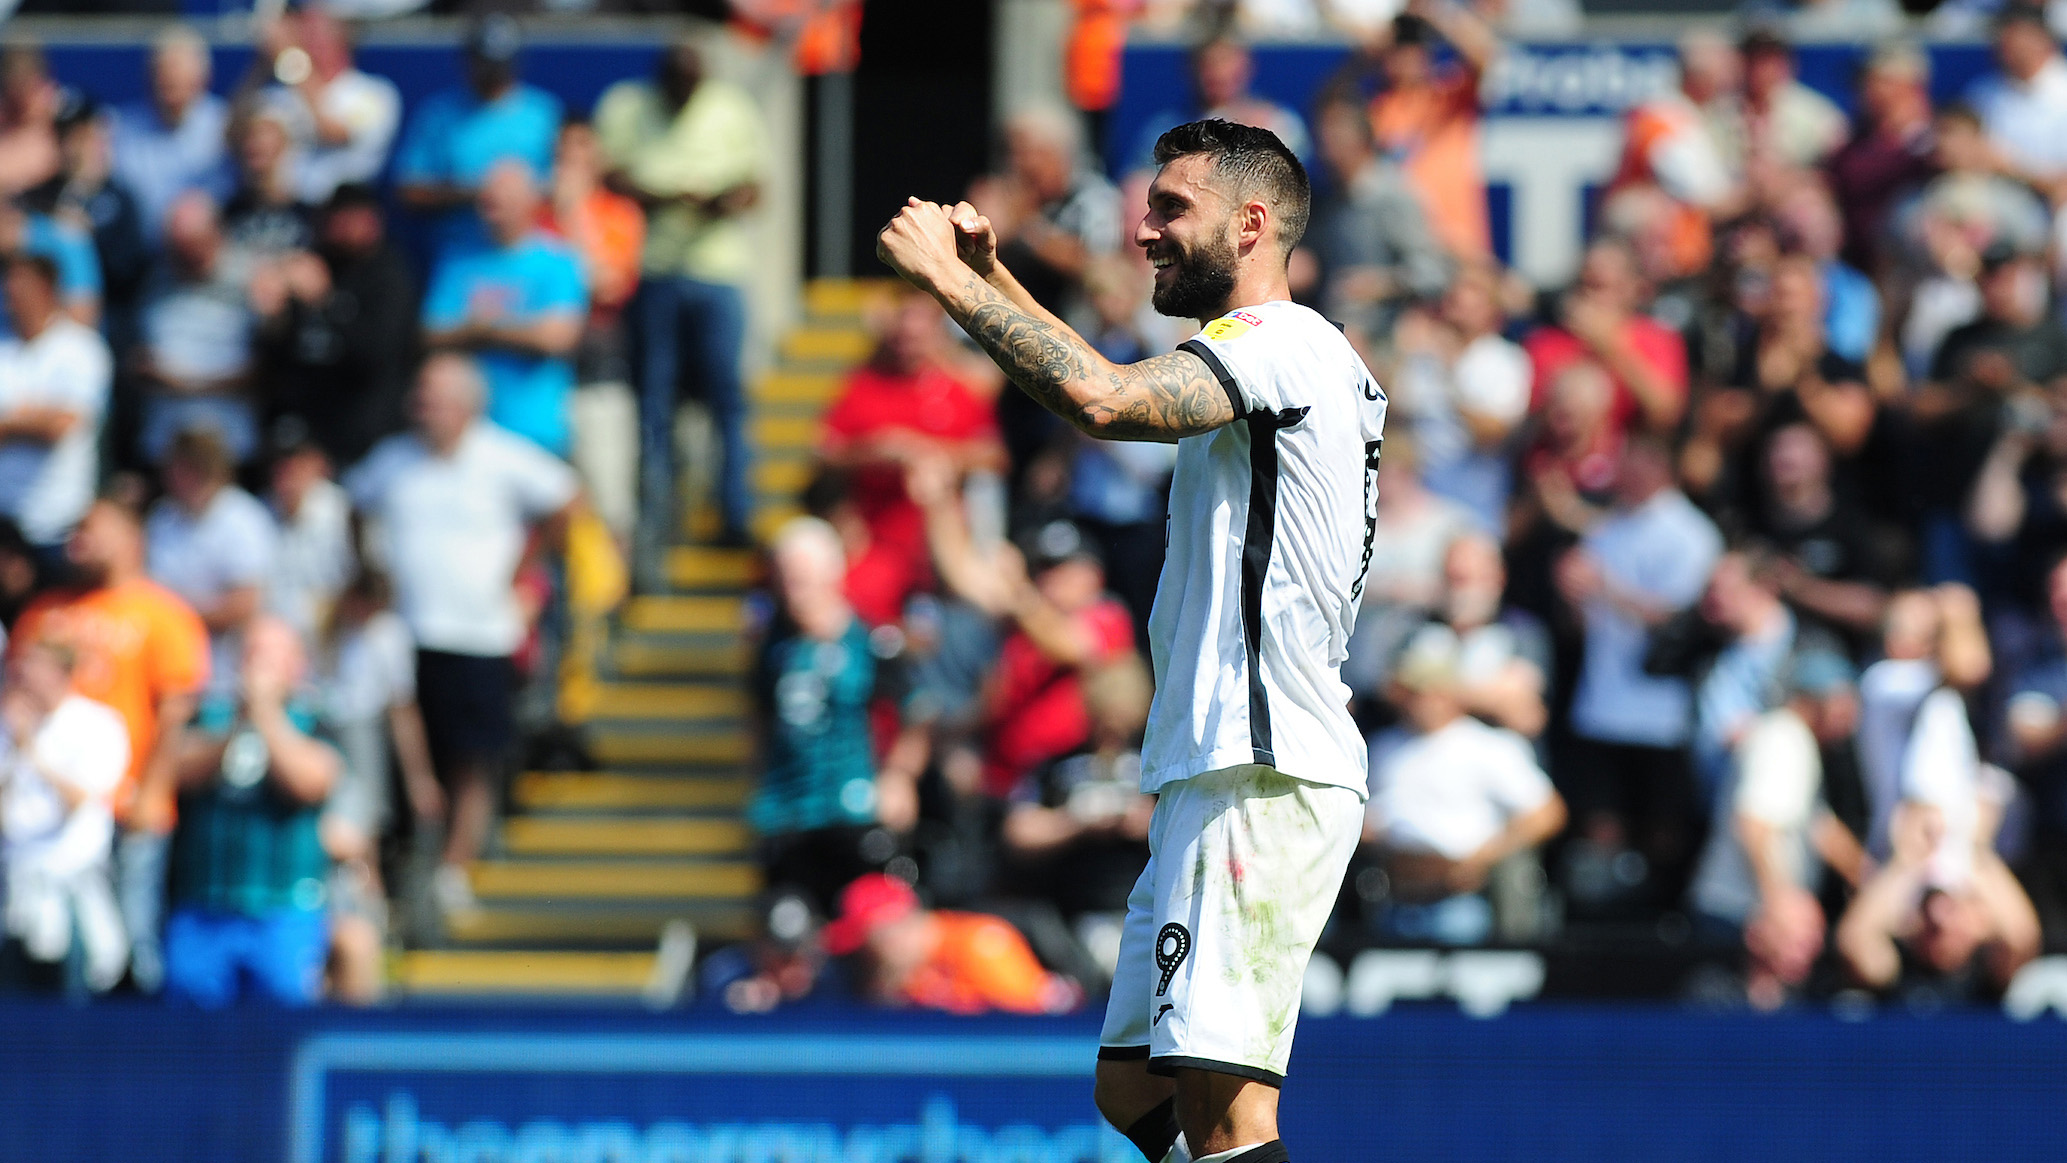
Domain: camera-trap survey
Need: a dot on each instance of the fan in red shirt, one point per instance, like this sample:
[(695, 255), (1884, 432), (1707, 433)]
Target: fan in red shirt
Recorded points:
[(1600, 320), (905, 404)]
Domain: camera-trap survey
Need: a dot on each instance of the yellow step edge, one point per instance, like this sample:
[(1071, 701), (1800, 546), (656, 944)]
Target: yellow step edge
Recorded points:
[(630, 880), (844, 296), (850, 344), (618, 748), (789, 475), (691, 565), (469, 971), (555, 925), (602, 791), (685, 615), (652, 700), (796, 388), (635, 837), (640, 659), (795, 432)]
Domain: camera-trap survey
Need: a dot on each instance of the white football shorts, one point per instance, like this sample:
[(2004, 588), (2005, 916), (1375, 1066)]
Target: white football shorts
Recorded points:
[(1244, 867)]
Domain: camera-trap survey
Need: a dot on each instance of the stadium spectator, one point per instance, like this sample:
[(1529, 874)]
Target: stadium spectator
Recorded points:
[(29, 101), (1369, 237), (825, 810), (54, 382), (1786, 123), (249, 870), (1415, 525), (2035, 747), (783, 964), (1774, 834), (1832, 564), (88, 197), (608, 231), (1601, 319), (312, 554), (1053, 212), (179, 139), (1912, 716), (195, 358), (1809, 222), (142, 651), (1222, 70), (462, 506), (65, 244), (364, 676), (1751, 635), (1463, 390), (903, 406), (2023, 104), (341, 122), (693, 150), (1076, 832), (266, 217), (1984, 374), (962, 963), (1888, 156), (337, 331), (1629, 780), (213, 544), (1943, 917), (66, 758), (1428, 117), (1451, 799), (517, 306), (458, 135), (1674, 143)]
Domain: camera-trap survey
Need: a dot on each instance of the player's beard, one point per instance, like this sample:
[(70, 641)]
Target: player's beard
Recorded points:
[(1203, 282)]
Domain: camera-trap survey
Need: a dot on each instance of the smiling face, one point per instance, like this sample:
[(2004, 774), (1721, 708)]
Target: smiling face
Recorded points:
[(1189, 236)]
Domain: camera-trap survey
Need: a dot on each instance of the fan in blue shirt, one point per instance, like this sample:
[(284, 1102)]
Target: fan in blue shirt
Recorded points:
[(518, 303)]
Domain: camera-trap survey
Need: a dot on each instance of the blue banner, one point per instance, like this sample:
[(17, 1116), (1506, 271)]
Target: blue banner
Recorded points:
[(1424, 1082)]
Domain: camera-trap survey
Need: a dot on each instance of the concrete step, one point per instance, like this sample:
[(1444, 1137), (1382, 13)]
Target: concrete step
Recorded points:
[(621, 746), (699, 567), (477, 972), (833, 298), (827, 343), (591, 926), (704, 656), (795, 387), (602, 791), (700, 614), (644, 880), (621, 837)]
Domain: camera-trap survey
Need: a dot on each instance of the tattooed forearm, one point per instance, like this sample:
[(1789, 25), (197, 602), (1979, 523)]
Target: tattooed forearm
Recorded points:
[(1164, 398)]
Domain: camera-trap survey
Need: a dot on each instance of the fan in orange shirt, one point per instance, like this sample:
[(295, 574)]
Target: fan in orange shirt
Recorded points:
[(1428, 118), (607, 229), (963, 963)]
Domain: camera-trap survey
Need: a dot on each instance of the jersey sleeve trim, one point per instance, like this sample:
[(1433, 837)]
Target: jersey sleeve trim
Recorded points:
[(1227, 381)]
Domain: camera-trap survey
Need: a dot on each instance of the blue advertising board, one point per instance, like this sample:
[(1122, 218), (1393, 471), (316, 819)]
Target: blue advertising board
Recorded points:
[(1423, 1082)]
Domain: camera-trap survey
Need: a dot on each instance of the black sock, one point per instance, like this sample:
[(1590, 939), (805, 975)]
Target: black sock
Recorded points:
[(1156, 1132), (1271, 1152)]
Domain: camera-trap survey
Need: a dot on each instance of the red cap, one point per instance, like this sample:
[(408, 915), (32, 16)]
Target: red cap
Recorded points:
[(871, 900)]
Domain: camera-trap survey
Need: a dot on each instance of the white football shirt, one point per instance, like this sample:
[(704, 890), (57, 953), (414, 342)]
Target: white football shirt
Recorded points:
[(1272, 520)]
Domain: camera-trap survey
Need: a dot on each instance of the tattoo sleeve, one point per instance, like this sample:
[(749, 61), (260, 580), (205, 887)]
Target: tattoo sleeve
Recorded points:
[(1163, 399)]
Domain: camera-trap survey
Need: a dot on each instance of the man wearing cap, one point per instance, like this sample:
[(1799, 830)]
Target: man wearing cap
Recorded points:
[(1451, 798), (963, 963), (458, 135), (1774, 833)]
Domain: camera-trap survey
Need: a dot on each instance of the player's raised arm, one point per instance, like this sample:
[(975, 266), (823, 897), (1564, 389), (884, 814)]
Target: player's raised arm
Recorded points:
[(1165, 398)]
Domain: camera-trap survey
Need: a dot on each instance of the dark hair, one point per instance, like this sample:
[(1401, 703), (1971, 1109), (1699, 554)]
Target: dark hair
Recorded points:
[(1256, 160), (44, 266)]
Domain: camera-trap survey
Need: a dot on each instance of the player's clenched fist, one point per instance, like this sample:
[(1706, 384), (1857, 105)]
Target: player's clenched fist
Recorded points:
[(976, 241), (919, 244)]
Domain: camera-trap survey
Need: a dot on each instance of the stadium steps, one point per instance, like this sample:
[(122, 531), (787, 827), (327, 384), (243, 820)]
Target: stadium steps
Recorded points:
[(592, 869)]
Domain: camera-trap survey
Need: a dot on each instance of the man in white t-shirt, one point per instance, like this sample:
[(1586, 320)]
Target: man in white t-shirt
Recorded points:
[(1451, 798), (342, 121), (54, 378), (211, 543), (1774, 834), (1260, 772), (456, 502), (66, 756)]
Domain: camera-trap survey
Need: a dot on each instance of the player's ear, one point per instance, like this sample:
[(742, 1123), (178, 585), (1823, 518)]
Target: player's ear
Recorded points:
[(1252, 221)]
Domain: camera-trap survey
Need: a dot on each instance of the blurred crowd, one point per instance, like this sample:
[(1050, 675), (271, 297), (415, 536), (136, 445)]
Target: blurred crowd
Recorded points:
[(283, 500), (1720, 599)]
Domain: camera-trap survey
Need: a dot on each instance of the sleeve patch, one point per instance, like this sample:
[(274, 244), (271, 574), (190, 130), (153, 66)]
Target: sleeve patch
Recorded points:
[(1228, 326)]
